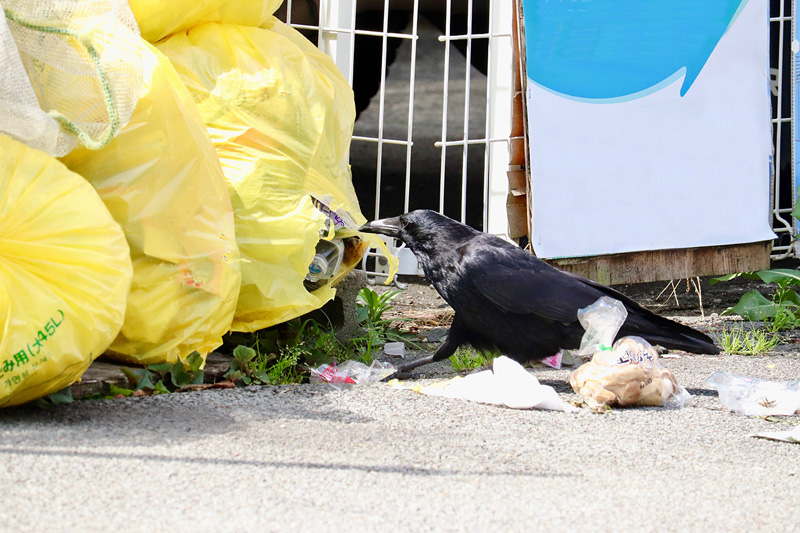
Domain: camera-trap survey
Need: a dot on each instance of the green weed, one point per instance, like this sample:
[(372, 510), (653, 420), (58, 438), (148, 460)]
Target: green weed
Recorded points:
[(162, 378), (283, 354), (51, 401), (468, 359), (737, 340)]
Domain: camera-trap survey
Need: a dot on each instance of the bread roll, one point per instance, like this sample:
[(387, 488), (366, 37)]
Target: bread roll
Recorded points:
[(624, 385)]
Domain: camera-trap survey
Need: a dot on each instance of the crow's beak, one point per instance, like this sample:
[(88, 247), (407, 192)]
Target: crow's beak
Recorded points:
[(384, 226)]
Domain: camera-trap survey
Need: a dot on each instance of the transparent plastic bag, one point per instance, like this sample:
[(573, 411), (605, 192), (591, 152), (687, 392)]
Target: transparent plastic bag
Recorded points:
[(602, 321), (624, 373), (754, 396)]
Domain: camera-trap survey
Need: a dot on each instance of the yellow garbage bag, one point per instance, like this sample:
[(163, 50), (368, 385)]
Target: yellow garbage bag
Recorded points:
[(280, 116), (332, 104), (158, 19), (162, 181), (65, 272)]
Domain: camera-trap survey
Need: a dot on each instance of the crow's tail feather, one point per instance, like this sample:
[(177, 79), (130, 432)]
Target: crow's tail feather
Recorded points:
[(669, 334)]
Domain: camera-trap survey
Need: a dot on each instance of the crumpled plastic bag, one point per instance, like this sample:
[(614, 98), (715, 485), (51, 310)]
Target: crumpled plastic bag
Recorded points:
[(625, 373), (280, 117), (352, 372), (158, 18), (601, 322), (162, 181), (508, 384), (65, 273), (754, 396)]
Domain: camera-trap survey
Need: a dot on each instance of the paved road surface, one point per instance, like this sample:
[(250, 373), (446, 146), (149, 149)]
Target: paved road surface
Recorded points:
[(375, 458)]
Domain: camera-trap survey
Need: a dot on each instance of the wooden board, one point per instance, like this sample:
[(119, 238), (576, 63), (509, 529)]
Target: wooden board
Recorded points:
[(660, 265), (517, 204)]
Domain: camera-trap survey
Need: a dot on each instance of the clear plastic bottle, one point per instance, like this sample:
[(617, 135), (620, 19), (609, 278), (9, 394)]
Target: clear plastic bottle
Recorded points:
[(327, 260)]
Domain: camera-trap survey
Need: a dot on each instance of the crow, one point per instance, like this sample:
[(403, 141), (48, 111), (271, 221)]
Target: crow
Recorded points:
[(505, 299)]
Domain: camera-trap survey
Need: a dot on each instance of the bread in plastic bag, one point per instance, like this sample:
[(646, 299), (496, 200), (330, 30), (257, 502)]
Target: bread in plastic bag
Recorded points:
[(158, 19), (624, 373), (162, 181), (72, 72), (281, 121), (65, 273)]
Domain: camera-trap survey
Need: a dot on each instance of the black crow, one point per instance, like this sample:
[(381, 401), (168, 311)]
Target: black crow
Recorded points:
[(508, 300)]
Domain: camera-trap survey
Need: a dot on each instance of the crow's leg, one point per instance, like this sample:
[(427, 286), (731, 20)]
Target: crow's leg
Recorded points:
[(455, 338)]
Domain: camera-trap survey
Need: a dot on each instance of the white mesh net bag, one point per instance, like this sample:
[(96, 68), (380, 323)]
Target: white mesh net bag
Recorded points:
[(73, 72)]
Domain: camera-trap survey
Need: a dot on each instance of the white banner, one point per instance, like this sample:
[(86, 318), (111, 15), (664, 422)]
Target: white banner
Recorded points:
[(649, 124)]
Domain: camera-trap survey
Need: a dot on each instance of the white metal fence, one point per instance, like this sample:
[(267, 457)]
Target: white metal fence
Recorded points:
[(782, 73), (433, 87)]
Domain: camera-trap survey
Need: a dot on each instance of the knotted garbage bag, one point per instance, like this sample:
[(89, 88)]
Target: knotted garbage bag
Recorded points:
[(158, 19), (65, 273), (280, 116), (162, 181), (71, 72)]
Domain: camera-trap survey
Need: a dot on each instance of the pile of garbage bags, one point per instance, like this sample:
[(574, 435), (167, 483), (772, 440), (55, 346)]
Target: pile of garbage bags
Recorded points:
[(171, 171)]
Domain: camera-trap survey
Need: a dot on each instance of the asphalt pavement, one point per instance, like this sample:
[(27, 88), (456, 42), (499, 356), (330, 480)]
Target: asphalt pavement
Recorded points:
[(379, 458)]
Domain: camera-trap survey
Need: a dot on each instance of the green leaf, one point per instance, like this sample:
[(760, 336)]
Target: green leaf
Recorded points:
[(780, 276), (790, 298), (182, 376), (113, 391), (754, 306), (195, 361), (244, 354), (362, 313), (139, 378), (160, 388), (160, 369), (796, 212), (726, 277), (233, 375), (62, 397)]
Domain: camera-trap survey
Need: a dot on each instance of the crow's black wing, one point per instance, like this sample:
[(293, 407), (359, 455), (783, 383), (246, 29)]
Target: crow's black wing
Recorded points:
[(517, 282)]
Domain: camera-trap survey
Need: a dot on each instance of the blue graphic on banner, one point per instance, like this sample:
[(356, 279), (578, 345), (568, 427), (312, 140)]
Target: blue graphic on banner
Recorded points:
[(621, 49)]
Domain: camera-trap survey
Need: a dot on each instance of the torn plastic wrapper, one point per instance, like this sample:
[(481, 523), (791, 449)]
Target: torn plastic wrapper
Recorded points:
[(554, 361), (396, 349), (602, 321), (508, 384), (792, 436), (352, 372), (754, 396)]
